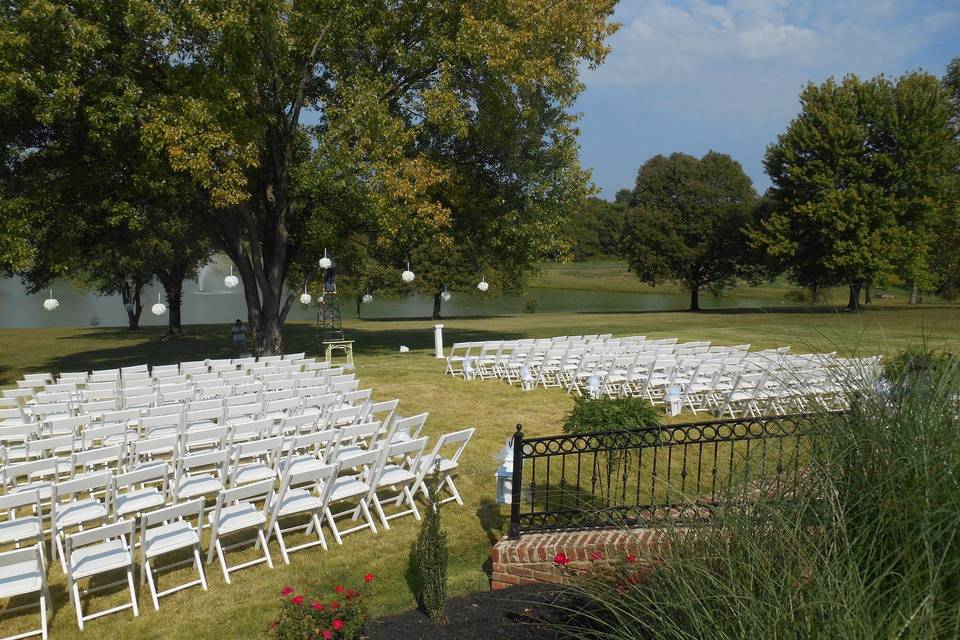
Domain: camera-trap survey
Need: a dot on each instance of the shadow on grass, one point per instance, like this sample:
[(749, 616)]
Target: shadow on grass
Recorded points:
[(213, 341)]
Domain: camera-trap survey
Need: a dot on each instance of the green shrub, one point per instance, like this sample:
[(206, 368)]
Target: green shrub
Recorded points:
[(431, 552), (605, 414), (530, 305), (340, 613)]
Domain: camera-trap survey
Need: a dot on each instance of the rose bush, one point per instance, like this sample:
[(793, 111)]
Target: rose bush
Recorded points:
[(338, 614)]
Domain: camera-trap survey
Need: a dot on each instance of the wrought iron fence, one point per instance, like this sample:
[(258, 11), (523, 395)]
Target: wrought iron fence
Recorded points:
[(641, 476)]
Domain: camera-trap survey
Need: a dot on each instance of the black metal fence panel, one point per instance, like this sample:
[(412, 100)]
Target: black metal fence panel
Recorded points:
[(638, 477)]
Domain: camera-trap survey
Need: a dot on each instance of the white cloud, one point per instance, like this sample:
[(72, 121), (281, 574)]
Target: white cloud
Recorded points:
[(750, 58)]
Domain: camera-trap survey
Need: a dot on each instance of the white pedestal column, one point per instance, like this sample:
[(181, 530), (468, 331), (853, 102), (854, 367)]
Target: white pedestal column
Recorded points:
[(438, 340)]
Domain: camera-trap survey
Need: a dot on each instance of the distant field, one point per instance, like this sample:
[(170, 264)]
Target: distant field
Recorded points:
[(613, 275)]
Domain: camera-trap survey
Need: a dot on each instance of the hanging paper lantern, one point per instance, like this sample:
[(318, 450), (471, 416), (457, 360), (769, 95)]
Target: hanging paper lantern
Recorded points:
[(407, 276), (367, 298), (129, 307), (231, 281), (95, 321), (483, 285), (158, 309), (51, 303), (325, 262), (445, 296), (305, 297)]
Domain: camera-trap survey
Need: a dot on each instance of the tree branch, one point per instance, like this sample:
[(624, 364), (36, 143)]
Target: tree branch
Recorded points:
[(307, 70)]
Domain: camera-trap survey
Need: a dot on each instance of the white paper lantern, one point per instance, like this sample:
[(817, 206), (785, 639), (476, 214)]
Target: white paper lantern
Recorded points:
[(231, 281), (129, 307), (325, 262), (305, 297), (158, 309), (95, 321), (367, 298), (407, 276), (483, 285), (404, 349), (51, 303), (445, 296)]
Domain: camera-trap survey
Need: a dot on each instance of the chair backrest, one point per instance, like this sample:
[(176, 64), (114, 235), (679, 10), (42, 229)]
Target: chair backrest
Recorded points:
[(13, 563), (151, 474), (22, 473), (253, 492), (384, 411), (51, 447), (248, 410), (361, 434), (19, 432), (61, 425), (320, 479), (195, 416), (250, 430), (207, 462), (343, 416), (13, 502), (318, 443), (122, 529), (148, 449), (287, 405), (191, 509), (412, 425), (205, 405), (153, 426), (109, 458), (457, 439), (295, 424), (88, 484), (216, 437)]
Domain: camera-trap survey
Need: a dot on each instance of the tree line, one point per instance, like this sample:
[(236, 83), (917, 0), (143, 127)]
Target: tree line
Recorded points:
[(865, 192)]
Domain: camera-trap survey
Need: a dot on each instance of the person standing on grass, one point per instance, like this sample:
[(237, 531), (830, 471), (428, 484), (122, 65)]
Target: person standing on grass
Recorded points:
[(239, 337)]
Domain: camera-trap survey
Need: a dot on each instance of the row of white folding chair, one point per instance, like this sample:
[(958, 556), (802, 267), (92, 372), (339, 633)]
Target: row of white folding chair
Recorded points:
[(305, 489)]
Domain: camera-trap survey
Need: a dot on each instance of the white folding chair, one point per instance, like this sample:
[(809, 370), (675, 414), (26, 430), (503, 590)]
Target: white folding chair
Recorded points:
[(21, 573), (150, 451), (200, 474), (448, 465), (97, 551), (166, 531), (144, 489), (398, 473), (303, 492), (354, 486), (74, 503), (255, 460), (23, 519), (236, 511), (409, 428)]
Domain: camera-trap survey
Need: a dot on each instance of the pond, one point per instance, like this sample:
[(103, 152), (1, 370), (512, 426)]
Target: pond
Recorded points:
[(208, 301)]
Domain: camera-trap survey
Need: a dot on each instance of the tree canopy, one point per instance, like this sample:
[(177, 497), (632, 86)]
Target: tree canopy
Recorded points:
[(858, 183), (361, 126), (686, 220)]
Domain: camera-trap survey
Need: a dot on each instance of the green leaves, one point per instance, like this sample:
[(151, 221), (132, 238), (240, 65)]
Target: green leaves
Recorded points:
[(686, 219), (859, 182)]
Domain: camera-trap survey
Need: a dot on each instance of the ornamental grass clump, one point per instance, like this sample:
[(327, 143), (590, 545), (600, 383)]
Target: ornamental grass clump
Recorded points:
[(431, 553), (337, 614), (867, 545)]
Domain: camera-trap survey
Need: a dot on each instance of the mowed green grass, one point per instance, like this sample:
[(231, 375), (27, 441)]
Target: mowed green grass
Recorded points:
[(242, 609), (614, 276)]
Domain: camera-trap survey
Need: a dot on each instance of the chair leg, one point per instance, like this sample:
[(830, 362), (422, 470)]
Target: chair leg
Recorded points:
[(133, 594), (146, 569), (283, 548), (43, 614), (366, 512), (412, 503), (223, 562), (323, 538), (75, 594), (266, 550), (333, 525), (380, 512), (196, 559)]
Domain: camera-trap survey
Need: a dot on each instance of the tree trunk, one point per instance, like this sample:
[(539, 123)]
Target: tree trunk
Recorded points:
[(866, 295), (130, 294), (914, 294), (359, 302), (695, 298), (854, 301), (172, 282), (437, 301)]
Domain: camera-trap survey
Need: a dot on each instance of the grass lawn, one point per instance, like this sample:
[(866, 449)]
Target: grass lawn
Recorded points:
[(614, 276), (242, 609)]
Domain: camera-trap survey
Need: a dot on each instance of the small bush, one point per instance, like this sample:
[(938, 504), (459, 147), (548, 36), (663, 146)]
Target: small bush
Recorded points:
[(530, 305), (605, 414), (431, 551), (319, 617)]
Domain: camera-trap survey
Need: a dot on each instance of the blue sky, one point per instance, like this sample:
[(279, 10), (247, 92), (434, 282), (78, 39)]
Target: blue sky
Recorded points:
[(691, 76)]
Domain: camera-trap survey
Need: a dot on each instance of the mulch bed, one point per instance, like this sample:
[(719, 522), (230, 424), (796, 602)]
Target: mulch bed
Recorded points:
[(516, 613)]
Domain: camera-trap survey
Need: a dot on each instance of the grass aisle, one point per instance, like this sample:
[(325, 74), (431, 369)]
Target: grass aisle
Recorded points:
[(242, 609)]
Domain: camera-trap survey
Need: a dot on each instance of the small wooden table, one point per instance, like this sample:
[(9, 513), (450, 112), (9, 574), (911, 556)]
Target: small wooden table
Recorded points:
[(344, 345)]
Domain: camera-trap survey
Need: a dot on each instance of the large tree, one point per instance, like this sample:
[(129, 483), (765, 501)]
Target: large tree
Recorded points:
[(686, 222), (858, 183), (411, 101)]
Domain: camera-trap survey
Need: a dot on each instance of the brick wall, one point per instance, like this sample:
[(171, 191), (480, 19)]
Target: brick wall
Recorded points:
[(530, 558)]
